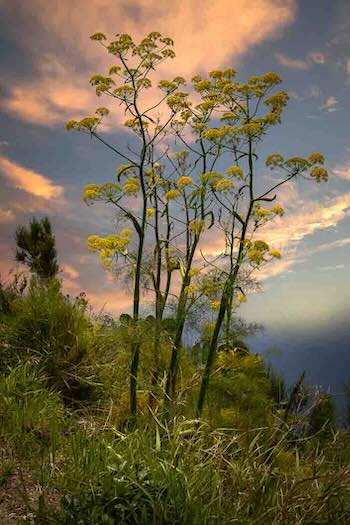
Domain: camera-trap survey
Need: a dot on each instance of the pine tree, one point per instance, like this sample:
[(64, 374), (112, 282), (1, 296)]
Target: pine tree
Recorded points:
[(36, 248)]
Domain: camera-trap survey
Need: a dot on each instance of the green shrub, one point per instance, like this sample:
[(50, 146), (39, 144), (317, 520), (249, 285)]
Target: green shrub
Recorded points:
[(52, 332)]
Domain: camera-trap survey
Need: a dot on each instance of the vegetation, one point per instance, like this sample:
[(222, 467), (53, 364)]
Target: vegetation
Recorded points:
[(117, 421), (36, 248)]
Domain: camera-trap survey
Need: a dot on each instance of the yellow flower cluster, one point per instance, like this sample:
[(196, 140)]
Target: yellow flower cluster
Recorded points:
[(215, 305), (234, 171), (104, 191), (172, 194), (262, 213), (91, 192), (316, 158), (319, 173), (275, 253), (210, 176), (196, 226), (222, 185), (273, 160), (132, 185), (150, 213), (257, 251), (193, 272), (277, 210), (109, 246), (184, 181), (191, 289)]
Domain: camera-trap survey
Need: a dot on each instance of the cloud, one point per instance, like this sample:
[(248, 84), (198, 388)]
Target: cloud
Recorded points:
[(332, 268), (29, 180), (115, 302), (292, 63), (343, 172), (348, 66), (303, 219), (69, 271), (317, 57), (6, 216), (334, 244), (330, 105), (215, 35), (315, 216)]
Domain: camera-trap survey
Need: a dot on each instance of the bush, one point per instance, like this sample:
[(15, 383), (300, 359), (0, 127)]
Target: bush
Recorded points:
[(47, 329)]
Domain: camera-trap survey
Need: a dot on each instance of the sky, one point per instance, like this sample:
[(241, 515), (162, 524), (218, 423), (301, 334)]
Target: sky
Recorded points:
[(46, 62)]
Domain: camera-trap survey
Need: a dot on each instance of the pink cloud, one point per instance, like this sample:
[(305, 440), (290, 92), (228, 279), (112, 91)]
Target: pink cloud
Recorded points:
[(214, 35), (29, 180), (6, 216)]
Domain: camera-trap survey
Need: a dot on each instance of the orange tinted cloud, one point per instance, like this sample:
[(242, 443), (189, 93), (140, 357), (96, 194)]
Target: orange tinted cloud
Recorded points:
[(207, 35), (6, 216), (115, 302), (69, 271), (29, 180)]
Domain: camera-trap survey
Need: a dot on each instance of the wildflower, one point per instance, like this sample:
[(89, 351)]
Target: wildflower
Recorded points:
[(235, 171), (255, 256), (262, 246), (277, 210), (184, 181), (262, 213), (316, 158), (216, 74), (110, 246), (275, 253), (132, 185), (222, 185), (192, 288), (150, 213), (273, 160), (102, 111), (212, 134), (210, 176), (179, 155), (215, 305), (297, 163), (319, 173), (91, 191), (196, 226), (172, 194), (241, 298)]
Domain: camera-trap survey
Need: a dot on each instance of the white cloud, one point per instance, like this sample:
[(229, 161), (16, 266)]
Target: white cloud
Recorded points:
[(334, 244), (332, 268), (330, 105), (298, 64), (317, 57), (343, 172)]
